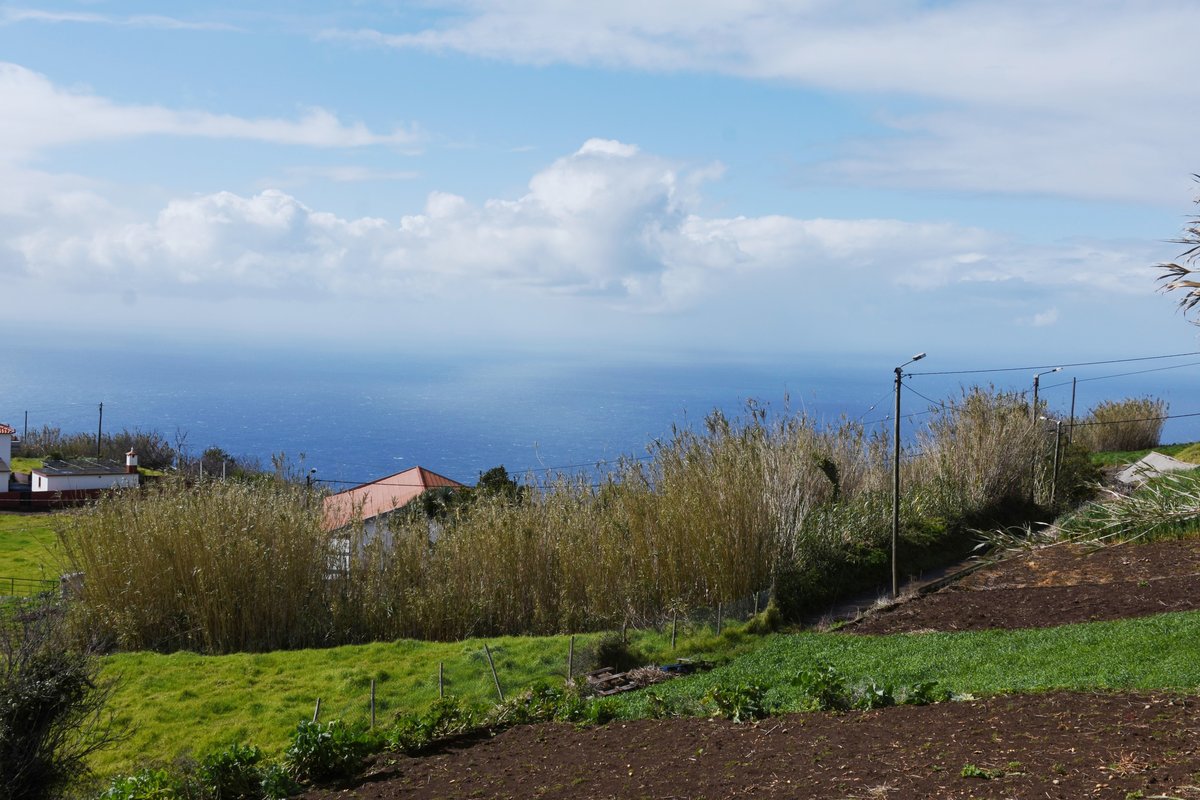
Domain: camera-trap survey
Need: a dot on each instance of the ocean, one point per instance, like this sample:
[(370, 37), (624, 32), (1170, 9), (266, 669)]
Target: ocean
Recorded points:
[(357, 417)]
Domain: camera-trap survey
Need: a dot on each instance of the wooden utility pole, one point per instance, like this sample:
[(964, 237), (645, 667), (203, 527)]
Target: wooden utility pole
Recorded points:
[(99, 430)]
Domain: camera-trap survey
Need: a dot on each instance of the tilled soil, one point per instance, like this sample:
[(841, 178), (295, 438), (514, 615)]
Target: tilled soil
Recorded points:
[(1057, 745), (1055, 586), (1061, 745)]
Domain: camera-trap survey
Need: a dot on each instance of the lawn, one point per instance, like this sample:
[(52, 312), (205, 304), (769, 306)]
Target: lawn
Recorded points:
[(185, 702), (28, 548)]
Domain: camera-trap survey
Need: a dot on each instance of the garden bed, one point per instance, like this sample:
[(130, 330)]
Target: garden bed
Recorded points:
[(1055, 585), (1059, 745)]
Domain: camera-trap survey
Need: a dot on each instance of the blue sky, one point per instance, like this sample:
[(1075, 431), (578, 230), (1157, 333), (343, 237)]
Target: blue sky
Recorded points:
[(977, 179)]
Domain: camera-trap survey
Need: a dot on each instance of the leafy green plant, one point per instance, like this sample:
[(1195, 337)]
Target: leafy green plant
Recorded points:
[(145, 784), (234, 773), (448, 716), (872, 695), (325, 751), (922, 694), (738, 702), (824, 686), (974, 771)]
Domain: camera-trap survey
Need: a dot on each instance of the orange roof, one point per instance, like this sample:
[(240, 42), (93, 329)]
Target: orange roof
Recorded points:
[(381, 496), (6, 429)]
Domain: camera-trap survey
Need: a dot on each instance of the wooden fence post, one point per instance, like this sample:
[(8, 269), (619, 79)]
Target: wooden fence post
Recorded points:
[(571, 658), (674, 626), (719, 620), (495, 677), (372, 702), (317, 711), (441, 679)]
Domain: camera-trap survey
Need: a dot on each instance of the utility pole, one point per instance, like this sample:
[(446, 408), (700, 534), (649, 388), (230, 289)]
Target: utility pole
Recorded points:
[(1071, 429), (896, 472), (99, 430), (25, 432), (1057, 450)]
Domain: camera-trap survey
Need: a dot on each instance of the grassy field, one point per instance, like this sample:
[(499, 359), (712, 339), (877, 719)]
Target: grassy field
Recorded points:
[(185, 702), (1114, 458), (28, 547)]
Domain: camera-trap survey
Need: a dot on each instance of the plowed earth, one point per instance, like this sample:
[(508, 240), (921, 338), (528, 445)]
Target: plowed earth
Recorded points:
[(1057, 745), (1055, 586)]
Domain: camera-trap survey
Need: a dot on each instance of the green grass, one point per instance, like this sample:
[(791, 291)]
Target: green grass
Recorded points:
[(190, 703), (28, 547), (25, 464), (1160, 652), (1115, 458)]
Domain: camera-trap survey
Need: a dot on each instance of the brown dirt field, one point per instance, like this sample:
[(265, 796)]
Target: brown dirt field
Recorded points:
[(1056, 745), (1060, 745), (1055, 586)]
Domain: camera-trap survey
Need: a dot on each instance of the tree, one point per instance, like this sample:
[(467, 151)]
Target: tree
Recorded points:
[(1179, 276), (51, 704)]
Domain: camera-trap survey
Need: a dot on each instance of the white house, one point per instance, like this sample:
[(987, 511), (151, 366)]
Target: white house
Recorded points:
[(85, 473), (373, 502), (6, 437)]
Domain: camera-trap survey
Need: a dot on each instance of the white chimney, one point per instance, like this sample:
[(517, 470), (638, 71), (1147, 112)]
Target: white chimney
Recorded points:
[(131, 462)]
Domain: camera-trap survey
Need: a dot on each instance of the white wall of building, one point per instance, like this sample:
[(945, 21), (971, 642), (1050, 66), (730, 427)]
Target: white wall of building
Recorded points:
[(65, 483), (6, 448)]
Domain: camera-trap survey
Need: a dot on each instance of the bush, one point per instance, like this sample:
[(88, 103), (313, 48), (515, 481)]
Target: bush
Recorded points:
[(1131, 424), (51, 704)]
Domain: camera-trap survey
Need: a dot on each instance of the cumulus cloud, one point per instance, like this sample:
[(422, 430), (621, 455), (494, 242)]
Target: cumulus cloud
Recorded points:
[(40, 115), (609, 223), (1021, 96)]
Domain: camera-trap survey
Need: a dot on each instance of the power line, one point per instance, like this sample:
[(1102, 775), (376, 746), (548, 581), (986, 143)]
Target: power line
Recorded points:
[(1052, 366), (1123, 374)]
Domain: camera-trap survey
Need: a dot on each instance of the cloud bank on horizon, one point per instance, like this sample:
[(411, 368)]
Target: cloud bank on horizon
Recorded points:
[(489, 169)]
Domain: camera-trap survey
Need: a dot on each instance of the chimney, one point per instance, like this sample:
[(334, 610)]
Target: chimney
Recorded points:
[(131, 462)]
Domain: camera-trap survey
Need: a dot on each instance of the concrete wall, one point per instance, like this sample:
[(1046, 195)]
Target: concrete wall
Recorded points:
[(66, 483), (6, 448)]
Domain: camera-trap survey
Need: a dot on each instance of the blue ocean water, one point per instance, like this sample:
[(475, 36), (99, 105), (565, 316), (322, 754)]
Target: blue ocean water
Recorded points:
[(359, 417)]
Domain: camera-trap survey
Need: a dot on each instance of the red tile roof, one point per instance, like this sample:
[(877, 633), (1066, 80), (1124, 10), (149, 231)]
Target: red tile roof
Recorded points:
[(6, 429), (381, 496)]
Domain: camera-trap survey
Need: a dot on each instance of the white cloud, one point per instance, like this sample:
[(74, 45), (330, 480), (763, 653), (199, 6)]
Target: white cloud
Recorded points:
[(14, 15), (609, 224), (1045, 318), (39, 115), (1087, 100)]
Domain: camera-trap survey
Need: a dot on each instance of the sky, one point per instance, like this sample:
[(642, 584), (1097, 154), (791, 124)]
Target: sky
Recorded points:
[(982, 180)]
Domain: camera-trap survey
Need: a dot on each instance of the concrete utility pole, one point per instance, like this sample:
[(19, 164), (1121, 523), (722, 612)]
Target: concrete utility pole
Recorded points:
[(896, 472)]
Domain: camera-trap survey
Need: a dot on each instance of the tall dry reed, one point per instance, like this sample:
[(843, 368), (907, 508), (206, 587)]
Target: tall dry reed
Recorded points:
[(708, 516), (1130, 424)]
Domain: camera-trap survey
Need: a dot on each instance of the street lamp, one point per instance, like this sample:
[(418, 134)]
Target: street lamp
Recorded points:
[(896, 471), (1036, 377)]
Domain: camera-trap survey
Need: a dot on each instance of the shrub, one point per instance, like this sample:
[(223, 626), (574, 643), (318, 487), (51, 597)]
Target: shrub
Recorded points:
[(325, 751), (51, 704), (1130, 424)]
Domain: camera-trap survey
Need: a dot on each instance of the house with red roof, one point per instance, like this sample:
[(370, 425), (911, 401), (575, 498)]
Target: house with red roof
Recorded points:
[(373, 502)]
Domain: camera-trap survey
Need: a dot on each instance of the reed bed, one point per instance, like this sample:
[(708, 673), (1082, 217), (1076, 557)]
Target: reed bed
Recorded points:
[(709, 516), (1134, 423)]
